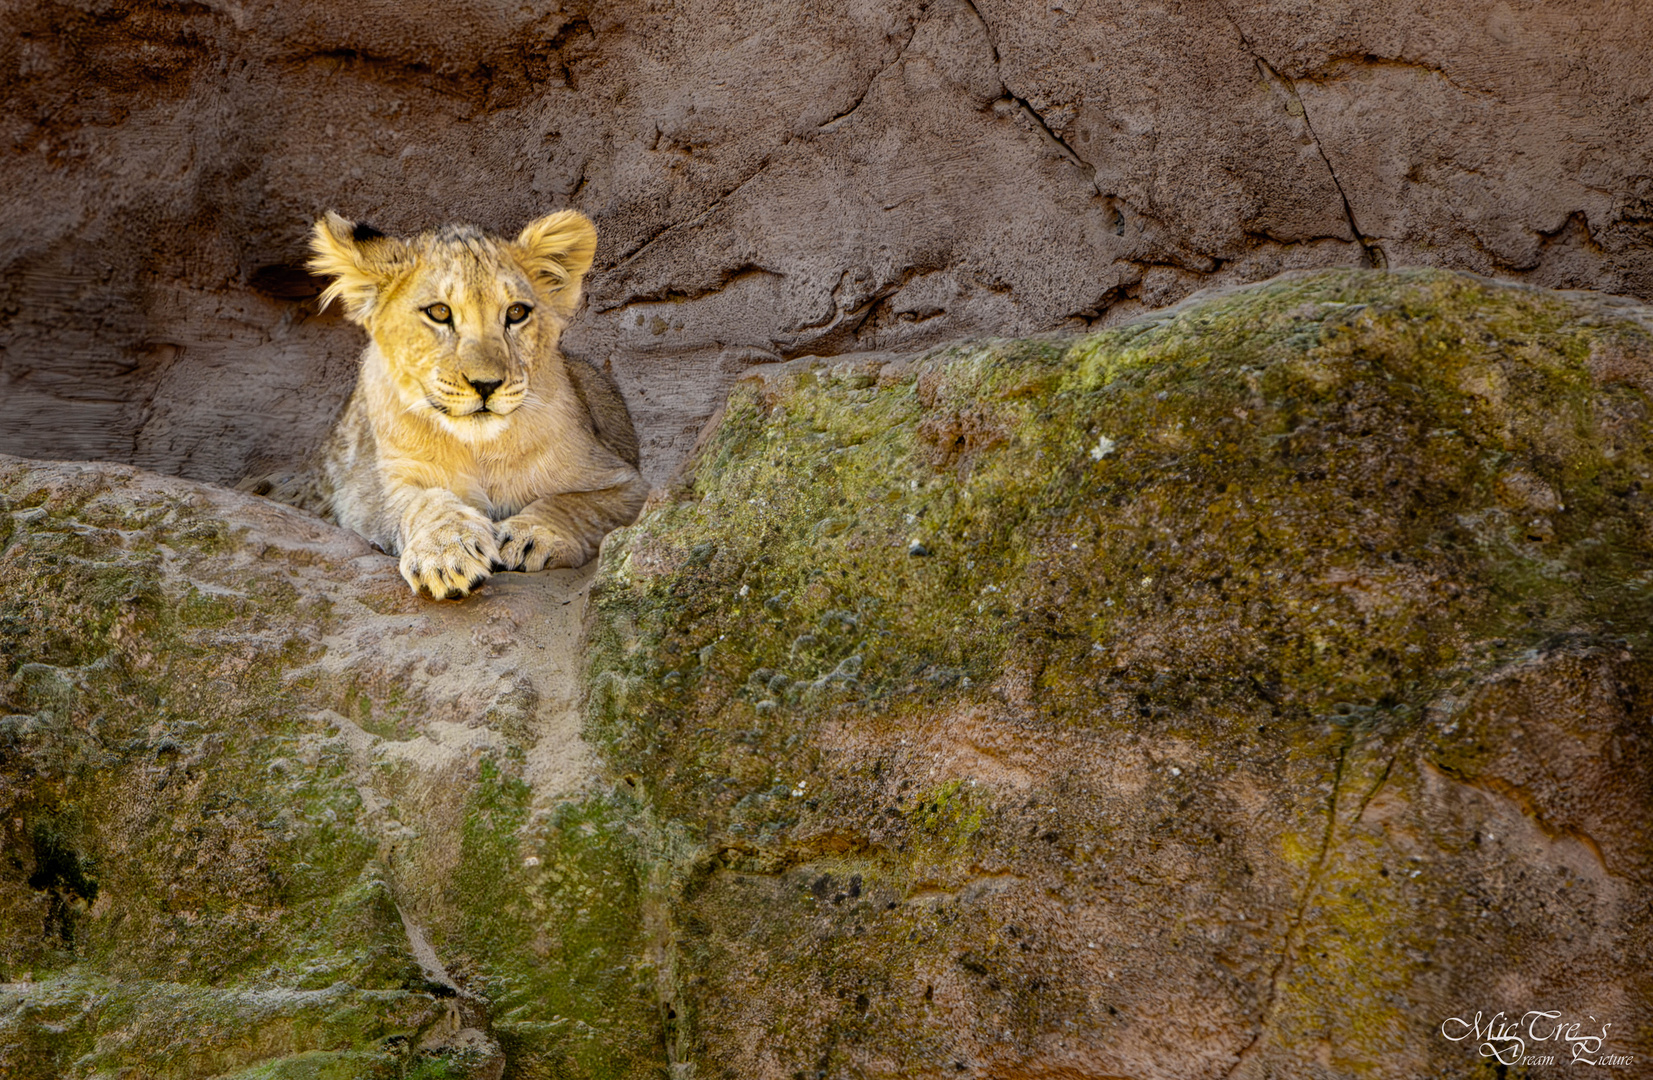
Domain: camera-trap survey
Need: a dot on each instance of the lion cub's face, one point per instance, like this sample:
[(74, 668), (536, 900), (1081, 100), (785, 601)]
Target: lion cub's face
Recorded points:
[(462, 319)]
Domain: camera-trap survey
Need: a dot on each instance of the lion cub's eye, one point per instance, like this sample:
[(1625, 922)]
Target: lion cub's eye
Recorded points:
[(441, 313), (516, 313)]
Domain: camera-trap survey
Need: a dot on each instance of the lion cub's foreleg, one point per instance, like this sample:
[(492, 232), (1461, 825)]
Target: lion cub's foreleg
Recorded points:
[(448, 547), (565, 530)]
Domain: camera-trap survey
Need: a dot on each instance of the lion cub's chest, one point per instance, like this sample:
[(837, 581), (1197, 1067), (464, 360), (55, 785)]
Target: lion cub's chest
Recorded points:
[(500, 492), (501, 489)]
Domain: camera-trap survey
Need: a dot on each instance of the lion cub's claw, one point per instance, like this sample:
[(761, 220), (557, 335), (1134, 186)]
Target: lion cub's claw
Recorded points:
[(529, 546), (451, 559)]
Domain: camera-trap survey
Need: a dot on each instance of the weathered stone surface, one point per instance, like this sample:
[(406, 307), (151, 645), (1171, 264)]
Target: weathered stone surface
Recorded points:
[(772, 180), (1242, 692), (262, 809)]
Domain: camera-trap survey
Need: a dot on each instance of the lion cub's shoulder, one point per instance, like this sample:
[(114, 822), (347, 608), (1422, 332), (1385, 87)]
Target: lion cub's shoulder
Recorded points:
[(600, 395)]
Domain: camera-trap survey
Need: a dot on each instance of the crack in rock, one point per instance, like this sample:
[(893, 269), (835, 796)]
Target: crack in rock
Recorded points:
[(696, 221), (1033, 114), (1294, 929), (725, 278), (1374, 256), (830, 125), (700, 218)]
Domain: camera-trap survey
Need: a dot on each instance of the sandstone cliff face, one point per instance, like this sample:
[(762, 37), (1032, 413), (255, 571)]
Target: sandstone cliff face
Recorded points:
[(771, 180), (1238, 692)]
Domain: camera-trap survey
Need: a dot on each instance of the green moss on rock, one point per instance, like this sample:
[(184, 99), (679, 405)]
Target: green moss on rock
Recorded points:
[(1093, 618), (209, 868), (1348, 487), (555, 902), (92, 1026), (1276, 666)]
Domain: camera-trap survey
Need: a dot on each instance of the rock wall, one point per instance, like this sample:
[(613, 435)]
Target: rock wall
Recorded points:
[(771, 180)]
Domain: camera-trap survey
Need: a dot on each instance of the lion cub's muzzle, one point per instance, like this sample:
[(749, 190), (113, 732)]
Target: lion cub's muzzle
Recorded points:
[(481, 396), (482, 383)]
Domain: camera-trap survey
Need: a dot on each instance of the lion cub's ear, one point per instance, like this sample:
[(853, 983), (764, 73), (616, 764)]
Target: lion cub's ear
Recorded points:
[(359, 258), (557, 250)]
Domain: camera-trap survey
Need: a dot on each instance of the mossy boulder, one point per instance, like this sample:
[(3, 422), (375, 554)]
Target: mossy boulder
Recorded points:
[(265, 814), (1244, 691)]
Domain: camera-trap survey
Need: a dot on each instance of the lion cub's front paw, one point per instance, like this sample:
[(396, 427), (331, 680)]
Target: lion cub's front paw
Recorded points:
[(529, 545), (452, 557)]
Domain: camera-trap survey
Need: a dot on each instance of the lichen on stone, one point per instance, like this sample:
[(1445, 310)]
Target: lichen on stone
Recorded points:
[(210, 868), (1076, 645)]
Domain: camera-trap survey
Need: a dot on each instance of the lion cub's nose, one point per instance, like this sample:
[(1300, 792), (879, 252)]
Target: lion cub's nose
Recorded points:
[(483, 389)]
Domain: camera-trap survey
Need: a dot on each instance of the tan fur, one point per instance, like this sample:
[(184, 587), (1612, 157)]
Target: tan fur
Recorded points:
[(417, 464)]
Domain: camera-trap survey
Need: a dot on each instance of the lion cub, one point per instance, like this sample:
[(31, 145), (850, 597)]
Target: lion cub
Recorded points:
[(471, 444)]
